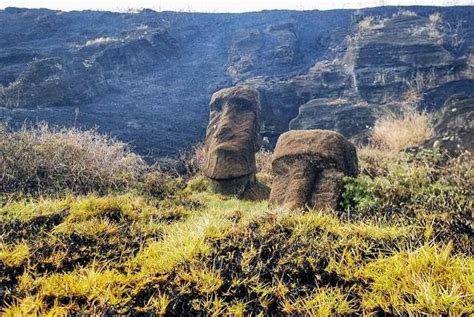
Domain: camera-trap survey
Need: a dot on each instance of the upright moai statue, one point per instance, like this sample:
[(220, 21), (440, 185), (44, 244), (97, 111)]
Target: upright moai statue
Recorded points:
[(232, 139)]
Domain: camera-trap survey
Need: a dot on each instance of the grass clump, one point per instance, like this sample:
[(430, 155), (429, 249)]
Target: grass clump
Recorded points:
[(429, 280), (401, 130), (25, 210), (101, 286), (14, 256), (323, 302), (198, 183), (159, 304), (205, 281)]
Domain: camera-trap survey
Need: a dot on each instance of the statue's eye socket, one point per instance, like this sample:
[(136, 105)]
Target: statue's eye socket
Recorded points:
[(241, 104), (217, 105)]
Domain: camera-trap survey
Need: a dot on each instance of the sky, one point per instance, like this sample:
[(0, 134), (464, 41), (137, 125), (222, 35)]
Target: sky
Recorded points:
[(216, 6)]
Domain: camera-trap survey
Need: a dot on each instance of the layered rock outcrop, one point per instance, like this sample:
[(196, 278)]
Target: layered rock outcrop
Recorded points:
[(386, 60), (344, 116), (309, 168), (390, 56)]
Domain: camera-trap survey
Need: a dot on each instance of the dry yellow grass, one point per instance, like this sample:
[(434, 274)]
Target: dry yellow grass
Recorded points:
[(396, 132), (263, 159), (195, 159), (48, 160), (14, 256)]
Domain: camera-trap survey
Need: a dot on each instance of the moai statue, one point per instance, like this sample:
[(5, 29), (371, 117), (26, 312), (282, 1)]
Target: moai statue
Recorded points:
[(232, 139), (309, 167)]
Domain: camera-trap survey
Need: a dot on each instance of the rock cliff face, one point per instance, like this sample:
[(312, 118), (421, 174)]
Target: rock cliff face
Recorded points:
[(147, 77), (454, 126), (54, 82)]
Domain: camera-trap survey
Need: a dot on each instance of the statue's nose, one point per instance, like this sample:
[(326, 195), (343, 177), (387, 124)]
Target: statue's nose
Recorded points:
[(300, 183), (224, 132)]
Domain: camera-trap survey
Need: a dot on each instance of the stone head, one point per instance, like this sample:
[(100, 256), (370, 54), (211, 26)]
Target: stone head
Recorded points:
[(233, 133), (309, 166)]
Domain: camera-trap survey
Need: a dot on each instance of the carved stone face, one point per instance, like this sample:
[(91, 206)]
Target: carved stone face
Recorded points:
[(294, 181), (304, 181), (233, 136), (309, 167)]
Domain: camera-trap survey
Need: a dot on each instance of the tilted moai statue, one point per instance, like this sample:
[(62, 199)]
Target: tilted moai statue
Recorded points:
[(232, 139), (309, 166)]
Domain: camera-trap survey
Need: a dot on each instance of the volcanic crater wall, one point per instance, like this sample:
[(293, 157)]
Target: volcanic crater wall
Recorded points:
[(147, 77)]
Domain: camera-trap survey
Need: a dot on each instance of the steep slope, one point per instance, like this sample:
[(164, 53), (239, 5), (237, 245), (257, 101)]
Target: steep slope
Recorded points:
[(147, 77)]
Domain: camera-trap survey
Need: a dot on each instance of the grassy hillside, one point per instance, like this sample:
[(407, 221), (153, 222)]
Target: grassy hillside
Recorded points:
[(401, 243)]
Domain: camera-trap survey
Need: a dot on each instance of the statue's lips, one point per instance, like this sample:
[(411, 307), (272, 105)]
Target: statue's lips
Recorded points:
[(227, 162)]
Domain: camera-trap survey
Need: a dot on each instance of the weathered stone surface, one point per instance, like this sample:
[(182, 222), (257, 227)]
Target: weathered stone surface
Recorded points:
[(454, 126), (232, 139), (397, 54), (309, 166), (435, 98), (255, 51), (349, 118)]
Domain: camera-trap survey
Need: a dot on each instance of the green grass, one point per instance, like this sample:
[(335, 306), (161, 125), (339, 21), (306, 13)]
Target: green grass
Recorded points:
[(400, 245)]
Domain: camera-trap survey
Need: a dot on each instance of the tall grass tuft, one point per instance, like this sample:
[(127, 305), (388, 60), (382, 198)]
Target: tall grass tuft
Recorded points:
[(399, 131)]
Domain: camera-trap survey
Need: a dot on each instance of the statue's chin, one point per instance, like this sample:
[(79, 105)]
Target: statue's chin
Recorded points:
[(225, 163)]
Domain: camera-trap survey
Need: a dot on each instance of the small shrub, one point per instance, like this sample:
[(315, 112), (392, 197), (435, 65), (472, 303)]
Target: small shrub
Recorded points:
[(454, 33), (435, 18), (161, 185), (419, 82), (359, 192), (370, 23), (198, 184), (367, 25), (433, 28), (41, 160)]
